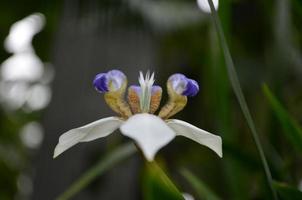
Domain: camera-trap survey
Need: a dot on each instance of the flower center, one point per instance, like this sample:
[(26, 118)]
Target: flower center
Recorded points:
[(146, 97)]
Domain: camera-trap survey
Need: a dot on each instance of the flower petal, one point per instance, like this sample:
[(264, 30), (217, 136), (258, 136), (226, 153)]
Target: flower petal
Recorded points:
[(89, 132), (205, 6), (110, 81), (183, 85), (198, 135), (149, 131), (187, 196)]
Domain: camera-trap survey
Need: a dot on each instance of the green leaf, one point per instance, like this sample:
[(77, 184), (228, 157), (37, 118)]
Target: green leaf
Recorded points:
[(201, 189), (111, 159), (239, 95), (287, 192), (292, 130), (219, 99), (157, 184)]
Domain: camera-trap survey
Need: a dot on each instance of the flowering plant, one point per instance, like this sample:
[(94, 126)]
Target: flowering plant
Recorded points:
[(137, 119)]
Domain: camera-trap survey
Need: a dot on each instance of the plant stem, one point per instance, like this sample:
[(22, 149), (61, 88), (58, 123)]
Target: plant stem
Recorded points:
[(239, 94)]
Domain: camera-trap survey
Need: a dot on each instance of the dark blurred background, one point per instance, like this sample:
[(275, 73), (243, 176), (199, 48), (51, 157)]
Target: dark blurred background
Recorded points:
[(46, 89)]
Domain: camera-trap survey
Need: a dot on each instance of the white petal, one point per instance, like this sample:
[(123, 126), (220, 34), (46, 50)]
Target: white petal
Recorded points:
[(92, 131), (205, 6), (187, 196), (150, 132), (198, 135)]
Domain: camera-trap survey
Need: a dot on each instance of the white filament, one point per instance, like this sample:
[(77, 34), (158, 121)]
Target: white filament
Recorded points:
[(146, 87)]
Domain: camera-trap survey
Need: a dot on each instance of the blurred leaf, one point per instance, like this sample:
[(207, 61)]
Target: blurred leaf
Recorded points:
[(111, 159), (202, 190), (157, 184), (287, 192), (292, 130), (216, 78), (242, 157), (240, 96)]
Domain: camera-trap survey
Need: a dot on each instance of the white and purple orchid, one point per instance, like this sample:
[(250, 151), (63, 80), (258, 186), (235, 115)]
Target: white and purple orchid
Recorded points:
[(136, 118)]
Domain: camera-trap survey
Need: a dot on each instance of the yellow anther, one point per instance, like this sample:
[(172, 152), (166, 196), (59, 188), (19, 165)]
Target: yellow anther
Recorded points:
[(155, 100), (133, 100)]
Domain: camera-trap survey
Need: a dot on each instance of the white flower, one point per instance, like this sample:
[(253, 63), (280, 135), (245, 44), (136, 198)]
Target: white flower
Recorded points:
[(187, 196), (150, 132), (205, 6)]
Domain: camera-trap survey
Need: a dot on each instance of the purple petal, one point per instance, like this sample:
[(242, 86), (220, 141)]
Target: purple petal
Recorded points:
[(115, 78), (177, 79), (100, 82), (183, 85), (178, 82), (192, 88), (110, 81), (155, 88), (136, 88)]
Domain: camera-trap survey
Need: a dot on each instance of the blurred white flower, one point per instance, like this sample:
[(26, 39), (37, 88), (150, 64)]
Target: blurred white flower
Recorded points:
[(205, 6), (38, 97), (32, 135), (300, 185), (13, 95), (21, 33), (24, 78), (167, 15), (187, 196), (25, 184), (25, 66), (150, 132)]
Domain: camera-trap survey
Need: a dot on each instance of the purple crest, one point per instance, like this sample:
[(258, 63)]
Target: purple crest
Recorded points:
[(183, 85), (110, 81)]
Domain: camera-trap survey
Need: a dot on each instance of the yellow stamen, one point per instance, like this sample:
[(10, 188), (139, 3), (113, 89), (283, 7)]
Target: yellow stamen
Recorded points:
[(115, 100), (175, 103)]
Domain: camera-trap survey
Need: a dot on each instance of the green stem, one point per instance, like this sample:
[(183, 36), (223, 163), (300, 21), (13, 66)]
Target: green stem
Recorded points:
[(156, 175), (104, 164), (202, 190), (157, 184), (239, 94)]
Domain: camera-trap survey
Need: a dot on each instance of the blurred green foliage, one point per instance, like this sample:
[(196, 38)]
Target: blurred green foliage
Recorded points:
[(287, 192), (291, 129), (201, 189)]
